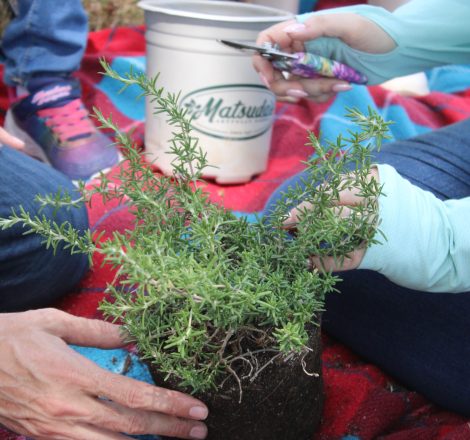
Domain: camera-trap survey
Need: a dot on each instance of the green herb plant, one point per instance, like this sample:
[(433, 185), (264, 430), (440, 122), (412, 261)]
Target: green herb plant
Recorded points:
[(199, 289)]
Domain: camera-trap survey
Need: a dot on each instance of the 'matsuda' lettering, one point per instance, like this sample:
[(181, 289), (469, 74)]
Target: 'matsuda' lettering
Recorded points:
[(214, 109)]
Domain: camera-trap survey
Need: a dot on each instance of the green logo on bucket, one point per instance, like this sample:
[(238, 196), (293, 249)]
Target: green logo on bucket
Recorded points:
[(235, 111)]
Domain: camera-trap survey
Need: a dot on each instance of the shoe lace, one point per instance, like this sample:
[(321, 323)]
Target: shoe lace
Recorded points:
[(69, 122)]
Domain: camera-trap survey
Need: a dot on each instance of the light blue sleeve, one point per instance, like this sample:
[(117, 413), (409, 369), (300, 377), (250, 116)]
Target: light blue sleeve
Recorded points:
[(428, 33), (427, 244)]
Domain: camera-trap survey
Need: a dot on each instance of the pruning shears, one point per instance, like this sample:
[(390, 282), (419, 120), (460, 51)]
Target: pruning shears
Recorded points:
[(304, 64)]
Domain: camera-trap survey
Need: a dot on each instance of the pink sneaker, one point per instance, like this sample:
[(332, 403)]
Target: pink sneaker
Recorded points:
[(56, 128)]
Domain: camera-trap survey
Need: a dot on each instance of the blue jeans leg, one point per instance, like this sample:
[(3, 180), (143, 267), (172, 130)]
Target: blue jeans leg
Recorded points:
[(31, 276), (419, 338), (47, 37)]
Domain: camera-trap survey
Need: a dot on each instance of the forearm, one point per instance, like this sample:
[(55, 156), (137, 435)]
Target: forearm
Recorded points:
[(428, 33), (427, 244)]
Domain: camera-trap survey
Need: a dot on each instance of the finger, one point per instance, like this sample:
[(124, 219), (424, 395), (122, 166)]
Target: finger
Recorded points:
[(272, 35), (10, 140), (82, 432), (112, 416), (82, 331), (324, 86), (51, 431), (294, 214), (322, 98), (330, 264), (323, 264), (266, 71), (318, 89), (276, 35), (139, 395), (264, 68), (343, 211), (350, 194), (330, 25), (351, 197), (288, 99), (13, 425), (94, 333)]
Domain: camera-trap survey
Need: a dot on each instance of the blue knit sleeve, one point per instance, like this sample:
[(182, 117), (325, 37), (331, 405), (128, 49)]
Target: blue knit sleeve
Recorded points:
[(428, 33), (427, 244)]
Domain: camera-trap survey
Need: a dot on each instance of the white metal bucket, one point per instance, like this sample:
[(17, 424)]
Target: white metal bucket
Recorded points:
[(232, 111), (288, 5)]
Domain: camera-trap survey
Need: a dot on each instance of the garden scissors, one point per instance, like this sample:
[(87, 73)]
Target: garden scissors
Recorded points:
[(304, 64)]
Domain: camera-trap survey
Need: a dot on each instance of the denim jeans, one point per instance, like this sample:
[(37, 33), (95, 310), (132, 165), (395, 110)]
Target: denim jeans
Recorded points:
[(45, 37), (422, 339), (30, 275)]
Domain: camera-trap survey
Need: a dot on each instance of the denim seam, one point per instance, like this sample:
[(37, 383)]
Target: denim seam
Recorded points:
[(27, 54)]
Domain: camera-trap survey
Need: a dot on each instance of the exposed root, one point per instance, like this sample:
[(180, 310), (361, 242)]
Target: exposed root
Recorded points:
[(258, 372), (304, 364), (235, 375)]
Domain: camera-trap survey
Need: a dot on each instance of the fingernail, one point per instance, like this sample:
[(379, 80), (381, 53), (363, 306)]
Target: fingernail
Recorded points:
[(309, 264), (198, 432), (198, 412), (265, 81), (296, 27), (289, 99), (289, 221), (341, 87), (296, 93)]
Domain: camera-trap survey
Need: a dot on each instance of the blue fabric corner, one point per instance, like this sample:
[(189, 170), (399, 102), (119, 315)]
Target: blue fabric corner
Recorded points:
[(116, 361), (126, 101)]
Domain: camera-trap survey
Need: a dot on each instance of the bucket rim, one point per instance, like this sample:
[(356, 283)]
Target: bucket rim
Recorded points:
[(165, 7)]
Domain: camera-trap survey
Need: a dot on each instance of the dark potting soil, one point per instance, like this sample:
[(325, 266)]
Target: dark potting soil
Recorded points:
[(283, 403)]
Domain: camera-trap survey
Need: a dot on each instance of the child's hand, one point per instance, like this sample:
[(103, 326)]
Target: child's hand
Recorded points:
[(347, 198), (340, 29)]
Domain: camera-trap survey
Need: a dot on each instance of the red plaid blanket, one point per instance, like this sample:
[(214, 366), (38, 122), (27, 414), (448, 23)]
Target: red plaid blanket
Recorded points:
[(361, 401)]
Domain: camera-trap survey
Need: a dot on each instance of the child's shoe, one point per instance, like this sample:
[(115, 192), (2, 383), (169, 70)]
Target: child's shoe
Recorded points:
[(56, 128)]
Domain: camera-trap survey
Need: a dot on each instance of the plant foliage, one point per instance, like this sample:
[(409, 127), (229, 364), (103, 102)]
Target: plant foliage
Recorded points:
[(198, 288)]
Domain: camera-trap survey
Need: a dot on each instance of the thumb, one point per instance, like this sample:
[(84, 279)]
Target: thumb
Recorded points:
[(89, 332)]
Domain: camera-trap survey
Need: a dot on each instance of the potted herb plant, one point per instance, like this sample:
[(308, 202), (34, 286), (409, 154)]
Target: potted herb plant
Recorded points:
[(217, 306)]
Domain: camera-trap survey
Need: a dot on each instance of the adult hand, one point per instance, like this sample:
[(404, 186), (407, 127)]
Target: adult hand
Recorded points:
[(351, 29), (49, 391), (10, 140), (347, 199)]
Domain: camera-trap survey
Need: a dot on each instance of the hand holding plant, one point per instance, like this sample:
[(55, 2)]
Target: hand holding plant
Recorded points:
[(347, 198), (49, 391)]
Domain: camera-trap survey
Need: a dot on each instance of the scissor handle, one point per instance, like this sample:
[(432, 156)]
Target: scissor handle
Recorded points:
[(308, 65)]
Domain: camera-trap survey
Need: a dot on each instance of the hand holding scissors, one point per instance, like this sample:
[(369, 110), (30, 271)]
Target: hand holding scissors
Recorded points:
[(303, 64)]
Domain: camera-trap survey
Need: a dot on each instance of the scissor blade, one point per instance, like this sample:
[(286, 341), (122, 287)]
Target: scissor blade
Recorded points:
[(243, 46), (268, 52)]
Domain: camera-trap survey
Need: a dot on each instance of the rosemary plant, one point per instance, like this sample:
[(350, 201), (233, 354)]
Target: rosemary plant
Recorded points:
[(198, 288)]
